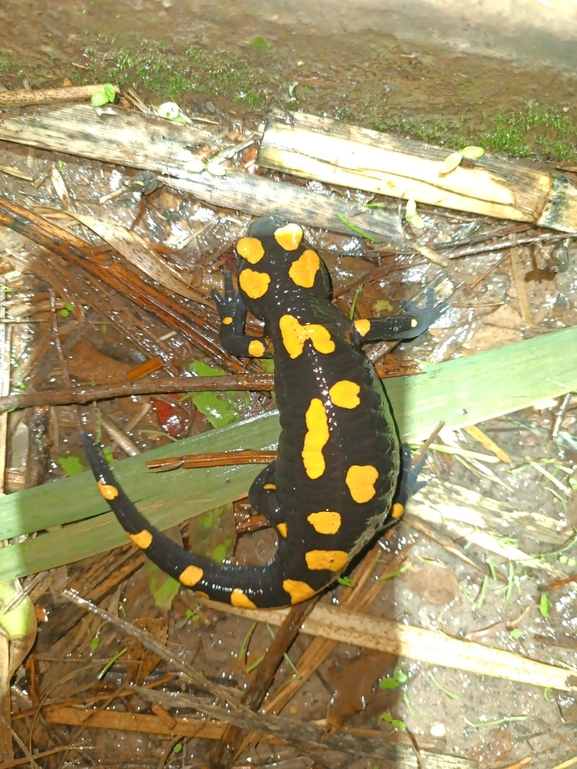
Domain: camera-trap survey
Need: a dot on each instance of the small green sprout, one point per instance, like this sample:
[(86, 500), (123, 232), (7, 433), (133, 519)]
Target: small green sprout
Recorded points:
[(453, 160), (346, 581), (66, 310), (398, 678), (545, 605), (393, 721), (412, 216), (104, 95), (111, 662), (169, 110)]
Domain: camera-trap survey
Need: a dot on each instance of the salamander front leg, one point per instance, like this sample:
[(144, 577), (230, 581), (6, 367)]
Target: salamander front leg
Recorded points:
[(232, 313), (413, 322)]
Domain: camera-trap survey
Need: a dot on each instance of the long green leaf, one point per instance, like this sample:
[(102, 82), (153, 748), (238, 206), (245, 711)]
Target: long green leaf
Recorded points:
[(460, 392)]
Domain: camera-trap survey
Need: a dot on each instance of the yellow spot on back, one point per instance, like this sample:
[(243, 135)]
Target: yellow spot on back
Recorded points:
[(289, 237), (333, 560), (269, 486), (304, 270), (298, 591), (142, 539), (294, 336), (191, 576), (238, 598), (227, 321), (345, 394), (282, 527), (361, 482), (254, 284), (256, 348), (363, 326), (250, 249), (107, 491), (397, 511), (414, 322), (325, 522), (316, 438)]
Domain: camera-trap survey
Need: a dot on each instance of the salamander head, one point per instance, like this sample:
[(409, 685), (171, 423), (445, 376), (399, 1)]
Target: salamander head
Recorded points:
[(275, 263)]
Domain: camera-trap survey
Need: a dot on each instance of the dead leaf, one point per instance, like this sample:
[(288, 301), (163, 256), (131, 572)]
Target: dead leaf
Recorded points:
[(432, 583), (354, 682)]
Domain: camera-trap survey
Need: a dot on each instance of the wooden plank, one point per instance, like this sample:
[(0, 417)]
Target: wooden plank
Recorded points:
[(459, 392), (125, 137), (338, 153)]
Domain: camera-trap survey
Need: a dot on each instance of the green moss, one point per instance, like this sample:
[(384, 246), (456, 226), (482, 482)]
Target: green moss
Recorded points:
[(549, 134)]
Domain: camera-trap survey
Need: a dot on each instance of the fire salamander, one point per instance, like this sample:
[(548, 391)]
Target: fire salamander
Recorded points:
[(333, 484)]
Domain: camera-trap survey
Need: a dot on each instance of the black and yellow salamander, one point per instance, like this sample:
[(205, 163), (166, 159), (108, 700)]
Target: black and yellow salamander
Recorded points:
[(333, 485)]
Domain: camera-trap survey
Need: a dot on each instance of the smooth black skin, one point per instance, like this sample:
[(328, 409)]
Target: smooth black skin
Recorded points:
[(365, 435)]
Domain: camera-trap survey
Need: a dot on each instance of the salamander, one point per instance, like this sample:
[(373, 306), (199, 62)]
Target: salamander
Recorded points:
[(333, 484)]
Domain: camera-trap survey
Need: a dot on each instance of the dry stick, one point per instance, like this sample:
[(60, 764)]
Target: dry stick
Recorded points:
[(517, 270), (118, 277), (181, 384), (337, 153), (224, 755), (475, 250), (47, 95), (306, 735), (161, 651)]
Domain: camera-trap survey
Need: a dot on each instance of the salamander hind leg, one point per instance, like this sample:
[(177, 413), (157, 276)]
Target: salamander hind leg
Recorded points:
[(408, 484)]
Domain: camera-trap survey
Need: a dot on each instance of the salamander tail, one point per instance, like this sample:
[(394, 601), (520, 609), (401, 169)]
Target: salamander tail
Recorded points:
[(244, 586)]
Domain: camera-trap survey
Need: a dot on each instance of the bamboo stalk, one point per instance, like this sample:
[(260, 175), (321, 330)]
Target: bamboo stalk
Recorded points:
[(428, 646), (337, 153), (151, 143)]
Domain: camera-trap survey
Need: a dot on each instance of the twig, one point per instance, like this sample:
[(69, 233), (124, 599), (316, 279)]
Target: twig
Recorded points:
[(157, 648), (181, 384)]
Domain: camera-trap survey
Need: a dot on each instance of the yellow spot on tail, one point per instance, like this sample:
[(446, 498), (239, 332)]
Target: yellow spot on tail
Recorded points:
[(316, 438), (191, 576), (269, 487), (304, 270), (325, 522), (254, 284), (294, 336), (363, 326), (227, 321), (282, 527), (108, 492), (142, 539), (289, 237), (345, 394), (333, 560), (361, 482), (238, 598), (414, 322), (250, 249), (298, 591), (397, 511), (256, 348)]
